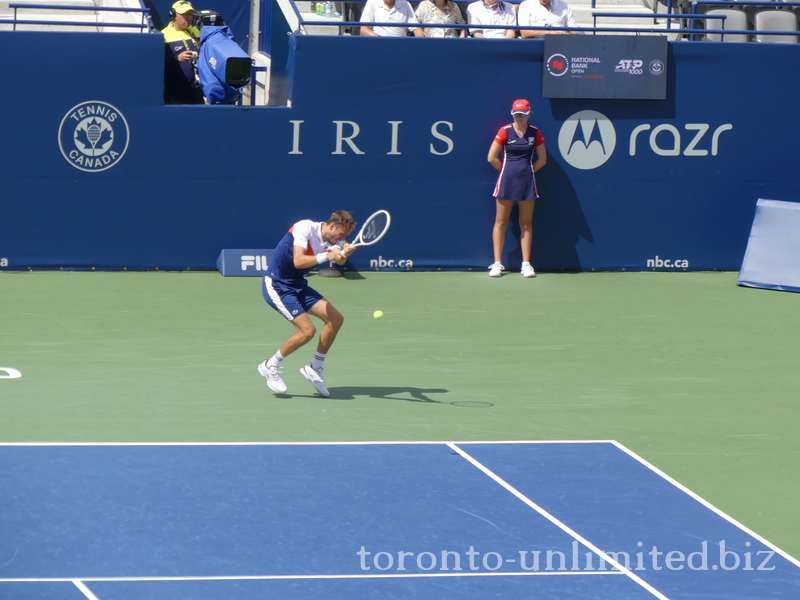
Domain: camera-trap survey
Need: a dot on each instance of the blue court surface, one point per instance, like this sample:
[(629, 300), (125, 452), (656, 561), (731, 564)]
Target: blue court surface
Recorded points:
[(538, 520)]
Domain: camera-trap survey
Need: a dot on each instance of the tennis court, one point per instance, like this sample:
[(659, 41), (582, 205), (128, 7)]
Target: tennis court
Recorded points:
[(143, 455)]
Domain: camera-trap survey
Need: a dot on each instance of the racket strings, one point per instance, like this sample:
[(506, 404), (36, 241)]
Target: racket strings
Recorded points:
[(373, 229)]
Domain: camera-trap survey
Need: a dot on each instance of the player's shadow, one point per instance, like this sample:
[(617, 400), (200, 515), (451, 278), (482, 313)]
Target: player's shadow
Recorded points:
[(558, 223), (405, 393)]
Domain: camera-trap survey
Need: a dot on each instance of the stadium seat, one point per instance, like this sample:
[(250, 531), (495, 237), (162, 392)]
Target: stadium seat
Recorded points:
[(736, 21), (776, 20)]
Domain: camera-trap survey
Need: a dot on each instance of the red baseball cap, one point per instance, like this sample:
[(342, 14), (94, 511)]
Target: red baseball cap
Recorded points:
[(521, 107)]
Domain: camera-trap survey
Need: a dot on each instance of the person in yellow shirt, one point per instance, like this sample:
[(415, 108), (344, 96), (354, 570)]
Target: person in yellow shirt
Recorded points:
[(182, 43)]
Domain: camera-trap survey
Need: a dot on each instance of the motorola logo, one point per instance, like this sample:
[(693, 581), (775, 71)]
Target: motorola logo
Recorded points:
[(587, 139)]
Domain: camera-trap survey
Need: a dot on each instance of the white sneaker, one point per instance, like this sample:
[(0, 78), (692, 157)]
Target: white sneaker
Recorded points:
[(527, 270), (274, 379), (496, 269), (316, 378)]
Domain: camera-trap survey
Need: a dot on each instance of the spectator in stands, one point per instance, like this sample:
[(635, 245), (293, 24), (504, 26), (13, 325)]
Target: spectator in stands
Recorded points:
[(491, 12), (389, 11), (545, 14), (443, 12), (524, 153), (182, 43)]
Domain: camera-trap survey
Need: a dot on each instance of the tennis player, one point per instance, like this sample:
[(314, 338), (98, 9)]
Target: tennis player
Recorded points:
[(306, 245), (518, 141)]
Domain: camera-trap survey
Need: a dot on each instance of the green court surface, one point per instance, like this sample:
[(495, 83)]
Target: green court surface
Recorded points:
[(696, 375)]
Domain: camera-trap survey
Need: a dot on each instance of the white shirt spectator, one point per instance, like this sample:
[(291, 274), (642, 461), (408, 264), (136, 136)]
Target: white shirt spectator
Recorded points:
[(500, 13), (376, 11), (535, 13)]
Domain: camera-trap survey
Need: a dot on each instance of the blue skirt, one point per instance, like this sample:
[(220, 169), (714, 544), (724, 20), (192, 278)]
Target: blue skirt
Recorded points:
[(517, 185)]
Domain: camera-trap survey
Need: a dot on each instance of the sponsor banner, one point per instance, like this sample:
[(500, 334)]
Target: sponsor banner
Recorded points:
[(243, 263), (605, 66), (588, 139)]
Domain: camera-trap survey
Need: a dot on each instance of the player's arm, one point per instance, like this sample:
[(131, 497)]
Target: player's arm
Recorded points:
[(347, 251), (309, 261), (494, 155), (541, 157)]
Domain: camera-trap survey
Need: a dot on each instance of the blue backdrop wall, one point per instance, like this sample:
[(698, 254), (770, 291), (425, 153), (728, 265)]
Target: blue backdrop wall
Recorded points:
[(403, 124)]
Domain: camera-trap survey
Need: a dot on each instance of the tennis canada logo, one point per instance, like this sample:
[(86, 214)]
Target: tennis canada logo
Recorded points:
[(93, 136), (587, 139), (557, 65)]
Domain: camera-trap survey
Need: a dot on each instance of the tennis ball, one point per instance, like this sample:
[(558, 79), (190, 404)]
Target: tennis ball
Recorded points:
[(378, 314)]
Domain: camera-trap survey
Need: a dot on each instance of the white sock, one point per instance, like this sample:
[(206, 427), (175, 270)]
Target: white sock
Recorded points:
[(316, 364), (275, 360)]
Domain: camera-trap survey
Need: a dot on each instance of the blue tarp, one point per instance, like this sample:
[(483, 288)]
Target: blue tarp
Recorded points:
[(772, 258), (218, 54)]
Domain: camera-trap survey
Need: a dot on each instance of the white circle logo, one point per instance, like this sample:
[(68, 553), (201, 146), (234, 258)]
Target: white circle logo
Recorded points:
[(93, 136), (656, 67), (557, 65), (587, 139)]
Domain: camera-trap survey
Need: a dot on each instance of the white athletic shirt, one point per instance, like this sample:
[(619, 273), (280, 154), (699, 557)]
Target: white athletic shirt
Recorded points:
[(533, 14), (308, 235), (375, 11)]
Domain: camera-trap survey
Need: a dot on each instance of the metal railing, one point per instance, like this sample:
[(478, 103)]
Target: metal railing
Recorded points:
[(146, 24), (669, 15), (738, 4)]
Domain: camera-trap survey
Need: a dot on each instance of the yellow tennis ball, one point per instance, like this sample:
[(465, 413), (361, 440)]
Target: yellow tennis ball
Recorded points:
[(378, 314)]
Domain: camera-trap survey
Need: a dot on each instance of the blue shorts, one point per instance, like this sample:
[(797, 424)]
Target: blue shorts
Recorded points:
[(289, 300)]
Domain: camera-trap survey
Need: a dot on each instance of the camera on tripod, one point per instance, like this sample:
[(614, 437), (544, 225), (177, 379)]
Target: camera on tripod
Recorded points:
[(207, 17)]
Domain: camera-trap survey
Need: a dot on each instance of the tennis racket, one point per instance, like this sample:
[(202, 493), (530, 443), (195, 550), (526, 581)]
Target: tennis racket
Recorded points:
[(373, 229)]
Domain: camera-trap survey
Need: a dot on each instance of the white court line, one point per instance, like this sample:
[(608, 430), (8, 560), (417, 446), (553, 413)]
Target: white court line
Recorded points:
[(707, 504), (86, 591), (367, 443), (79, 582), (559, 523), (409, 442)]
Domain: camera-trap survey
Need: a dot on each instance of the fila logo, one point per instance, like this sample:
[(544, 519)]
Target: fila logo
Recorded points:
[(587, 139), (260, 262)]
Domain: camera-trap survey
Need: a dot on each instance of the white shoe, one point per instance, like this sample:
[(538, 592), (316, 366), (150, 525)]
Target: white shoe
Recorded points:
[(527, 270), (316, 378), (496, 269), (274, 379)]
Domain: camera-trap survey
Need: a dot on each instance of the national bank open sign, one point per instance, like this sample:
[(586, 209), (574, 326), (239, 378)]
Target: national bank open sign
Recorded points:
[(605, 66)]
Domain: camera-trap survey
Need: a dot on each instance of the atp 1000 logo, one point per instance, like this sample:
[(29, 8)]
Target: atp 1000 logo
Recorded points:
[(93, 136)]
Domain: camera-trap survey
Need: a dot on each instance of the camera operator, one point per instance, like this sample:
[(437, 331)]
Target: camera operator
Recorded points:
[(182, 43)]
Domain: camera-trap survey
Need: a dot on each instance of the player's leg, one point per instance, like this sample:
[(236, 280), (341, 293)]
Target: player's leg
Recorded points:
[(526, 235), (502, 214), (332, 321), (289, 302), (304, 333)]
